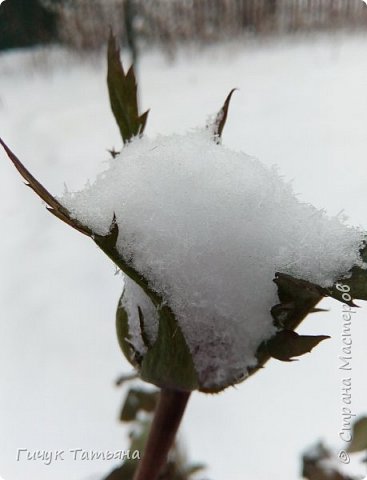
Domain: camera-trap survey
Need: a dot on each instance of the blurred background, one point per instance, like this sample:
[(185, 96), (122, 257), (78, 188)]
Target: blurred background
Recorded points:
[(82, 24), (301, 70)]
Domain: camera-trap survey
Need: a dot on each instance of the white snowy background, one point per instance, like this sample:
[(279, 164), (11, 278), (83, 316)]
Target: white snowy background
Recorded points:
[(301, 104)]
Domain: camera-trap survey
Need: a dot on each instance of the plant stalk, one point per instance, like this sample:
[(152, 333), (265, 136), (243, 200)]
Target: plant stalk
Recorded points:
[(167, 418)]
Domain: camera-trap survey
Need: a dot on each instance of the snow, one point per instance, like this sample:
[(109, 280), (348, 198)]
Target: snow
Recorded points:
[(58, 350), (209, 228)]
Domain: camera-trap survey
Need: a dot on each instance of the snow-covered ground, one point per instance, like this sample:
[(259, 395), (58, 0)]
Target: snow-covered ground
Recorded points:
[(301, 105)]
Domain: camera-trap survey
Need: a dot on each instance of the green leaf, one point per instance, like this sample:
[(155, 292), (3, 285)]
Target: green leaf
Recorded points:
[(287, 344), (359, 436), (168, 363), (122, 90), (138, 400)]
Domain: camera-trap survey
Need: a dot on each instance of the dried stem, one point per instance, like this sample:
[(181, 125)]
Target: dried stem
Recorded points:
[(167, 418)]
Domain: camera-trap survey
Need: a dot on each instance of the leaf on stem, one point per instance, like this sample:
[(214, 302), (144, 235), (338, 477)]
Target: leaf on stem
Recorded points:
[(319, 464), (359, 436), (122, 90), (138, 400)]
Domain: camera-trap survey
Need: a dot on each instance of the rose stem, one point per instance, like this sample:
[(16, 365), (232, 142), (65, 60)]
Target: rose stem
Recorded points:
[(167, 418)]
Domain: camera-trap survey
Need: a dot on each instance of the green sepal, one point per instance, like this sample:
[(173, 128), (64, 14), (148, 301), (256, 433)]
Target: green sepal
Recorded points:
[(122, 90), (143, 332), (287, 344), (123, 335), (168, 363), (297, 299), (221, 118)]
